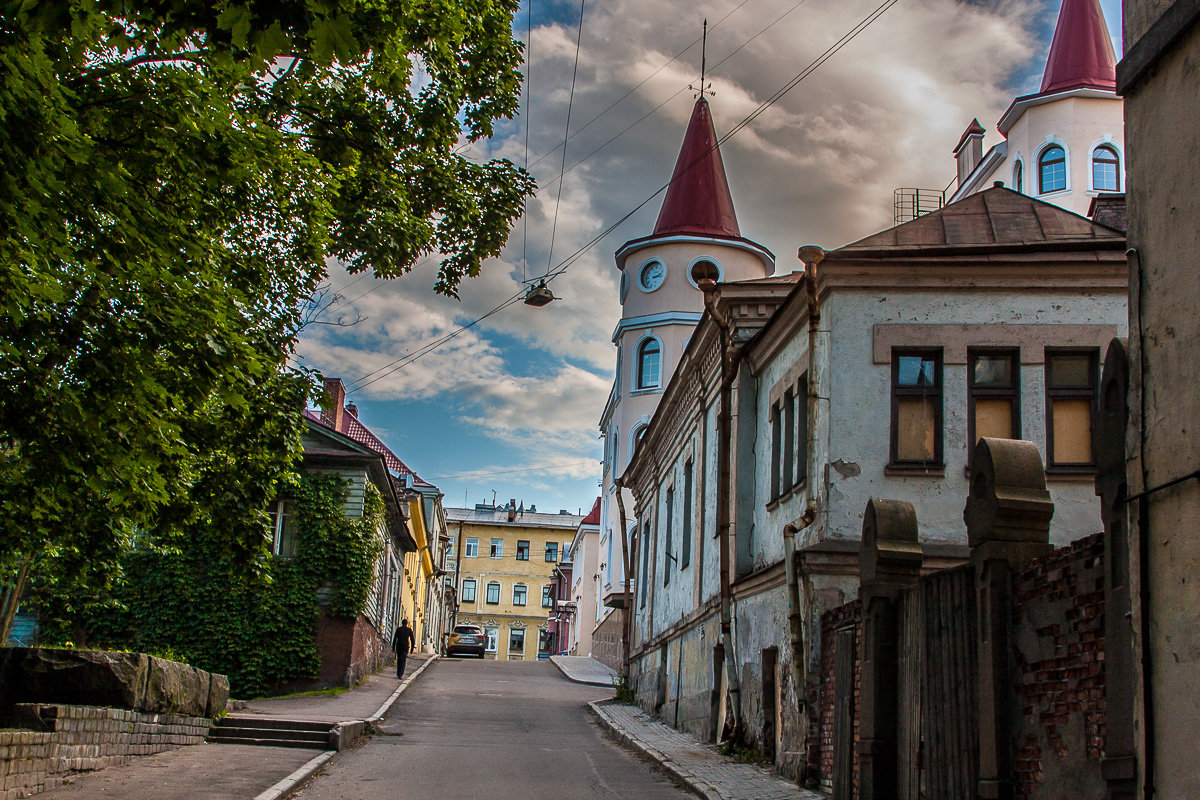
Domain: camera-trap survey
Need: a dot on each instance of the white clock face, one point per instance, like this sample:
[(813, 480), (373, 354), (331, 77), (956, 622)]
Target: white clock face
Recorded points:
[(652, 276)]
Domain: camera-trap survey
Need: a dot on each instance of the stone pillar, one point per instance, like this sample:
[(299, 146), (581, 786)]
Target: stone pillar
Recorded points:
[(1008, 522), (1119, 767), (889, 561)]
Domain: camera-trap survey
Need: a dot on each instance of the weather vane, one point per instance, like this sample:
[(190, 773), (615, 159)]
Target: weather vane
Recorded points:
[(703, 88)]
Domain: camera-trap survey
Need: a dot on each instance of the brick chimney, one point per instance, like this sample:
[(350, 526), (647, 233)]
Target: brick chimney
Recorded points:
[(333, 405), (512, 509)]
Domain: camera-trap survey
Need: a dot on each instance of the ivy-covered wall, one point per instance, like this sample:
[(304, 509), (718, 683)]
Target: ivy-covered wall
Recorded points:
[(181, 597)]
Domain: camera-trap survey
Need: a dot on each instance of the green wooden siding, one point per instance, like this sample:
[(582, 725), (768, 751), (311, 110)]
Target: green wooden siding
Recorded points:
[(357, 493)]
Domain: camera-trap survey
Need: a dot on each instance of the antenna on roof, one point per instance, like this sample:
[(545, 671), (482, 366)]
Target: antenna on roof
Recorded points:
[(703, 88)]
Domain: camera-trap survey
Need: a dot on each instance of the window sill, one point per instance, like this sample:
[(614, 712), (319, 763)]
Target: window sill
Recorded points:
[(788, 495), (649, 390), (915, 470), (1070, 475)]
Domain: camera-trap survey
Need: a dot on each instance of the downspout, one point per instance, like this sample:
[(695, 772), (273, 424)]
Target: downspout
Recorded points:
[(730, 359), (457, 574), (627, 612), (811, 255)]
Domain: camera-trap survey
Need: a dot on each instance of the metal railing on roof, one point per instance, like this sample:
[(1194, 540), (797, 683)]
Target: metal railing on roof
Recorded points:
[(910, 203)]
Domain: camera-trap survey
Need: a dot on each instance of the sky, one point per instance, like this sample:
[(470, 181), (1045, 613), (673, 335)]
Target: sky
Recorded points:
[(509, 408)]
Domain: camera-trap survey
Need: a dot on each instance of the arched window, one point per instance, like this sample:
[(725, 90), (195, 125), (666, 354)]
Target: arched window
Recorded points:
[(649, 363), (1052, 170), (1106, 169), (1019, 177)]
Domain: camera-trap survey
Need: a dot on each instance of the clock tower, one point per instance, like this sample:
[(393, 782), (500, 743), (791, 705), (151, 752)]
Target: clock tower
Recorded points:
[(696, 237)]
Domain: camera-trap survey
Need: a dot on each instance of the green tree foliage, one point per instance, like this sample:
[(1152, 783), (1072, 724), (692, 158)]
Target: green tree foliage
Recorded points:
[(189, 599), (173, 176)]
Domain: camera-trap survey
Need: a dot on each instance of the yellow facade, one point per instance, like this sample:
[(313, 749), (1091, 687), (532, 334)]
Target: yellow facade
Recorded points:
[(418, 570), (503, 574)]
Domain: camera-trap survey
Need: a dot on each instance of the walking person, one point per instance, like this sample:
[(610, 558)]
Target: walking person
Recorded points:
[(402, 643)]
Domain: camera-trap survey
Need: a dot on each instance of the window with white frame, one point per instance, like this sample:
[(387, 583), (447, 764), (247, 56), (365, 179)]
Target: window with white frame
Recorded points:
[(468, 590), (1018, 179), (493, 637), (283, 529), (1106, 169), (1052, 170), (471, 548), (649, 364), (497, 550)]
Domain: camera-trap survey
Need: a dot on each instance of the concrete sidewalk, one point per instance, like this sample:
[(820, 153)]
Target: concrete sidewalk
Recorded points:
[(699, 766), (244, 772), (584, 669)]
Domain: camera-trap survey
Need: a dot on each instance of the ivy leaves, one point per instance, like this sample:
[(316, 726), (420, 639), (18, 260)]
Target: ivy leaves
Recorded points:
[(173, 176)]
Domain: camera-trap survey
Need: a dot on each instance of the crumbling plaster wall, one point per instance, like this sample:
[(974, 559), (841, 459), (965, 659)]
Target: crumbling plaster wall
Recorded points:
[(860, 392)]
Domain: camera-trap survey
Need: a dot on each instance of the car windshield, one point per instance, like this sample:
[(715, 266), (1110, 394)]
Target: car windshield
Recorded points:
[(468, 630)]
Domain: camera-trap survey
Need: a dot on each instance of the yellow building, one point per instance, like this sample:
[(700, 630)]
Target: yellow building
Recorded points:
[(502, 560)]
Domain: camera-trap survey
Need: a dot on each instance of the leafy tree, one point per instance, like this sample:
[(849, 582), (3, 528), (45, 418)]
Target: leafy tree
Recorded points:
[(173, 176)]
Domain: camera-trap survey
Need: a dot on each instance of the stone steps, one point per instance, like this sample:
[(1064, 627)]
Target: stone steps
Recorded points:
[(273, 733)]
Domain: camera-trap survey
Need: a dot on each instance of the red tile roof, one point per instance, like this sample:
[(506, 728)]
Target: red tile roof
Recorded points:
[(353, 429), (698, 199), (593, 517), (1081, 54)]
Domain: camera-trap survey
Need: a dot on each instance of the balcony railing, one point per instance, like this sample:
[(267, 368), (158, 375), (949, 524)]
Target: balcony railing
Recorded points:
[(908, 204)]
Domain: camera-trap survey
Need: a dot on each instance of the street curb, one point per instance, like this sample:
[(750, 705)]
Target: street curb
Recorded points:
[(379, 714), (289, 783), (609, 684), (686, 778)]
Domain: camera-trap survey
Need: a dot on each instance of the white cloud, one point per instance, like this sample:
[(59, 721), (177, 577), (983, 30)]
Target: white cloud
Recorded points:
[(818, 167)]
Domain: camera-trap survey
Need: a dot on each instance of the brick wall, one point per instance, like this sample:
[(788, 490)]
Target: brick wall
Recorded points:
[(1058, 669), (350, 649), (80, 738), (821, 757)]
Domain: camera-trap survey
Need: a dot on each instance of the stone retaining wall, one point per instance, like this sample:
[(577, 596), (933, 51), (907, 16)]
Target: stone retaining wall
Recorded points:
[(76, 739)]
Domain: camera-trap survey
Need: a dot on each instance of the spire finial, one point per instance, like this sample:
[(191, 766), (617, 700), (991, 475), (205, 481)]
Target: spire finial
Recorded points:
[(703, 88)]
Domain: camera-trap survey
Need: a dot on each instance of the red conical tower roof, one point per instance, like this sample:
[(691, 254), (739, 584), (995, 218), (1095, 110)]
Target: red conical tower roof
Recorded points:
[(698, 199), (1081, 54)]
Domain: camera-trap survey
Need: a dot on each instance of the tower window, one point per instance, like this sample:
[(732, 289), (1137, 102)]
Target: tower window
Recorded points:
[(1052, 170), (1019, 177), (1106, 176), (649, 364), (705, 270)]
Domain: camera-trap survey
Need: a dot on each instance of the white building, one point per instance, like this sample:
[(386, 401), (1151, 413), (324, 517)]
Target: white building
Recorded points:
[(1066, 143), (696, 237)]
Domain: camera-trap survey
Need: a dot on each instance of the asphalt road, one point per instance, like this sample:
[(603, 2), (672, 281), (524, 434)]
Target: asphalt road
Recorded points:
[(494, 730)]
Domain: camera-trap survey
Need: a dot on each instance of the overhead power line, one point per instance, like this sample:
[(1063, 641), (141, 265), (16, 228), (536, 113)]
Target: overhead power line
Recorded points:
[(511, 471), (566, 263)]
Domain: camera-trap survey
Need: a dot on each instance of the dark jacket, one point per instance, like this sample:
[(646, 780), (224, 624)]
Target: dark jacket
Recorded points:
[(403, 639)]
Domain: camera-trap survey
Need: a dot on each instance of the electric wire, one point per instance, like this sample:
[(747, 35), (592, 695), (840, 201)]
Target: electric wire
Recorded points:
[(644, 81), (566, 263), (566, 132), (481, 474)]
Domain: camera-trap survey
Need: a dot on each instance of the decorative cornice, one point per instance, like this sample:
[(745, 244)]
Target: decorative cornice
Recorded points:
[(1022, 104), (689, 318)]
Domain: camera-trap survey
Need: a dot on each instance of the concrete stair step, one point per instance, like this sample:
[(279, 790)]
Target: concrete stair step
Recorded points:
[(272, 732), (271, 742)]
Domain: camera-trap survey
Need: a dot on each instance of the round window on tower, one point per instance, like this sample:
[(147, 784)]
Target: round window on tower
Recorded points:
[(704, 268)]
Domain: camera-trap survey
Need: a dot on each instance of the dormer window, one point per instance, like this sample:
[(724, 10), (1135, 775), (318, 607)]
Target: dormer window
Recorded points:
[(1106, 169), (649, 364), (1052, 170)]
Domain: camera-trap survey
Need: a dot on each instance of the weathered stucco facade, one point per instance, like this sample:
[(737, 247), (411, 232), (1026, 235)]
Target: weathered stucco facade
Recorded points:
[(1158, 78), (762, 455)]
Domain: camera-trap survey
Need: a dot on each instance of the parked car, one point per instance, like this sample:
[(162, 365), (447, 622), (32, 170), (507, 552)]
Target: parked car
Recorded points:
[(467, 639)]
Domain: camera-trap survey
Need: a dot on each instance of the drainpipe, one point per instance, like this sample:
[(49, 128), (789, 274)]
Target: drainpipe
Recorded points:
[(795, 611), (627, 612), (730, 359)]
